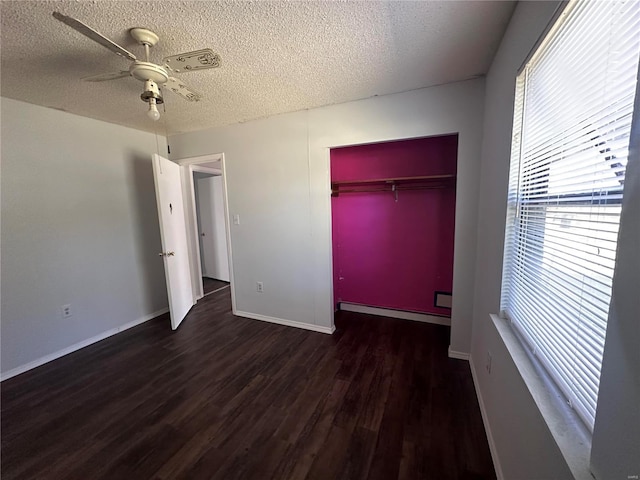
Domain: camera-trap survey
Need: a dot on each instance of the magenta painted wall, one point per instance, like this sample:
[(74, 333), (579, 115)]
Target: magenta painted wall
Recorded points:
[(394, 254)]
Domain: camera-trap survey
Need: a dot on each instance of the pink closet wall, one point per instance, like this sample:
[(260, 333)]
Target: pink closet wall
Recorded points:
[(394, 254)]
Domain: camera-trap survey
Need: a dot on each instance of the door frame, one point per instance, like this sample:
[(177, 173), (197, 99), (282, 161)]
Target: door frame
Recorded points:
[(188, 166)]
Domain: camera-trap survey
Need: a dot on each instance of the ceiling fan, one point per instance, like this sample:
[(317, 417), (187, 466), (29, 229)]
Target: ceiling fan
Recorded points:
[(153, 75)]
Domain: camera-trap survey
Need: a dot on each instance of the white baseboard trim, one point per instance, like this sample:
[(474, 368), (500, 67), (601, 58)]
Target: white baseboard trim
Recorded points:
[(288, 323), (458, 355), (401, 314), (487, 427), (77, 346)]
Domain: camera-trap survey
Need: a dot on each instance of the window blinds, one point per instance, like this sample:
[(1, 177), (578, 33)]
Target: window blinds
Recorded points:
[(572, 122)]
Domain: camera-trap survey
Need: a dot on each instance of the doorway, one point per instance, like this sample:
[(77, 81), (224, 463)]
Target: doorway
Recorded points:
[(210, 221), (206, 210)]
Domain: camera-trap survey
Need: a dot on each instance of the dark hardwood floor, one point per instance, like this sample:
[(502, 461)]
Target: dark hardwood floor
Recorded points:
[(210, 285), (225, 397)]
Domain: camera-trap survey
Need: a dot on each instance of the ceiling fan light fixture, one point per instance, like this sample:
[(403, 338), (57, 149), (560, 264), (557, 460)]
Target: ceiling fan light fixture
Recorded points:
[(153, 112), (151, 90), (152, 96)]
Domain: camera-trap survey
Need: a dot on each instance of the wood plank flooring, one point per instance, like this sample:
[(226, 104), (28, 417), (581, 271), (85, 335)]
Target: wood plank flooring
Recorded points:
[(231, 398), (210, 285)]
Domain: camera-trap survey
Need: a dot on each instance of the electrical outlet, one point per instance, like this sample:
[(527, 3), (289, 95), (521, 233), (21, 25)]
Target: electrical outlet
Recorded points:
[(488, 364), (236, 219), (259, 287), (66, 311)]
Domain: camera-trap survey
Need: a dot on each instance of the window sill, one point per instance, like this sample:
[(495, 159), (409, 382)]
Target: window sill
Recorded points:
[(571, 435)]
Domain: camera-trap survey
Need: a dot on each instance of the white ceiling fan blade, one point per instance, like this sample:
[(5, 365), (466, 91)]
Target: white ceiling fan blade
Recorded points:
[(179, 88), (95, 36), (103, 77), (191, 61)]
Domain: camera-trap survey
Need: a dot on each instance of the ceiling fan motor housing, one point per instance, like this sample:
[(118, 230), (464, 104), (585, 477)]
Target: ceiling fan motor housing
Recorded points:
[(144, 71)]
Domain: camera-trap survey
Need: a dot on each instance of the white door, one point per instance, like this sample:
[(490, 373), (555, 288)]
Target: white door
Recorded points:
[(173, 234), (213, 233)]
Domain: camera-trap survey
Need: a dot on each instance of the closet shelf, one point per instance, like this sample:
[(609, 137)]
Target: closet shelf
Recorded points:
[(391, 184)]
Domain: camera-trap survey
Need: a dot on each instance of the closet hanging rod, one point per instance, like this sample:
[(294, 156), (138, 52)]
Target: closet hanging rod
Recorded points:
[(394, 180), (335, 193)]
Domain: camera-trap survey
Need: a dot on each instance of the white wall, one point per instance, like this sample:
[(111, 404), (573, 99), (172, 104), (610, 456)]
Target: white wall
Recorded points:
[(278, 182), (79, 227), (522, 441)]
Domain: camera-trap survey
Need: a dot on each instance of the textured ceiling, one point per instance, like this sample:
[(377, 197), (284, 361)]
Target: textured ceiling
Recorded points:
[(276, 56)]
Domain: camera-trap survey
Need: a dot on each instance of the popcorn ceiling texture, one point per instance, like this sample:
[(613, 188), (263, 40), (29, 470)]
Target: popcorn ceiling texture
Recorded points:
[(276, 56)]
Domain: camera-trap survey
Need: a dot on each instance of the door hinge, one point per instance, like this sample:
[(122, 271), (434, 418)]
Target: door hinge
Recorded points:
[(168, 149)]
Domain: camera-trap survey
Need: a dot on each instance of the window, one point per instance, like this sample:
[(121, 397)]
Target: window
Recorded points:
[(572, 122)]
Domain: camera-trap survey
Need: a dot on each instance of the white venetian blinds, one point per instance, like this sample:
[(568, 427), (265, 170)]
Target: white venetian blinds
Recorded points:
[(572, 122)]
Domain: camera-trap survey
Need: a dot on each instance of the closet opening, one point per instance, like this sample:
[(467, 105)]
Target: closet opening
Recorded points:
[(393, 217)]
